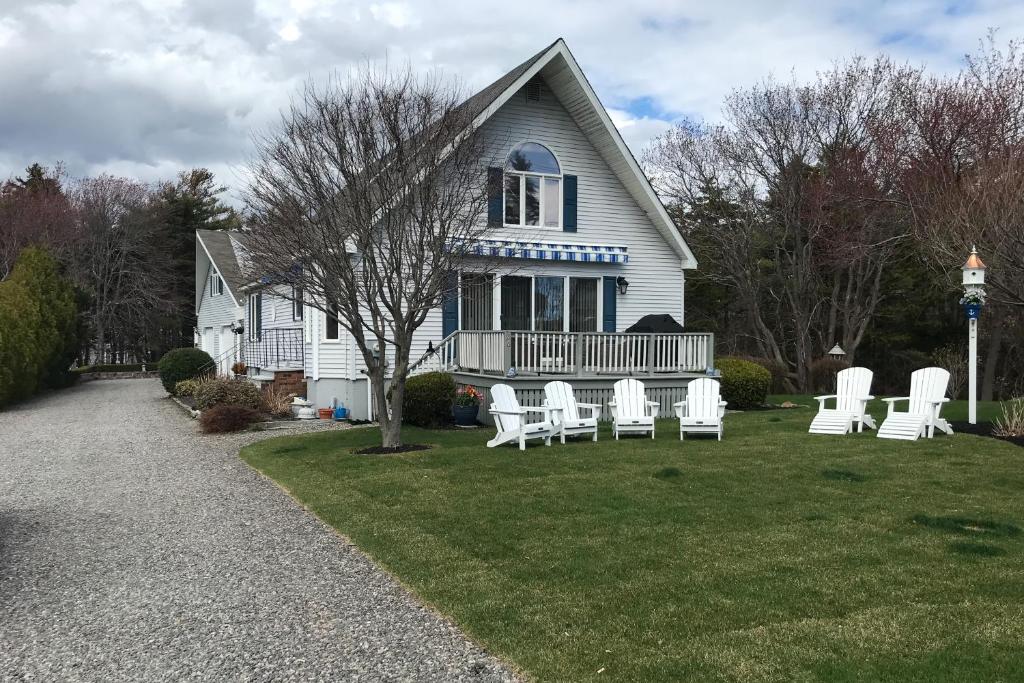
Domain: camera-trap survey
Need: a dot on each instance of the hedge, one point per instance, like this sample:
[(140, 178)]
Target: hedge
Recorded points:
[(234, 392), (39, 327), (185, 363), (428, 400), (745, 384)]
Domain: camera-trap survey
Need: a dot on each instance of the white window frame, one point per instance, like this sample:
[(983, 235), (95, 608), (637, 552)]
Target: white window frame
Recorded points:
[(298, 304), (323, 330), (543, 193), (216, 285), (496, 318)]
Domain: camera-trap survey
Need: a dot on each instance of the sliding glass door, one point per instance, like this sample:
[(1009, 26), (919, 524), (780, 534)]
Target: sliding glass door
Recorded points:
[(516, 311), (477, 301), (583, 304), (548, 311)]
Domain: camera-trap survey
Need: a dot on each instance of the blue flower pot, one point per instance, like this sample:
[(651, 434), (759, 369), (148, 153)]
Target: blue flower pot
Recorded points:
[(973, 311), (465, 416), (340, 413)]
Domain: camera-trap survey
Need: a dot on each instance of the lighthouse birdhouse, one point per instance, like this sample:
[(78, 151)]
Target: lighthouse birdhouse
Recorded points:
[(974, 285), (974, 271)]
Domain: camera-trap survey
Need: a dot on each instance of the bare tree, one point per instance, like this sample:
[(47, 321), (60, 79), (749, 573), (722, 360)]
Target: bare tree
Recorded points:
[(118, 260), (804, 181), (35, 210), (365, 197)]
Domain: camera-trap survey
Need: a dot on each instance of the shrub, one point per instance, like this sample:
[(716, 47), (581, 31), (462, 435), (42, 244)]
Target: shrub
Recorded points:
[(237, 392), (1011, 422), (179, 364), (239, 368), (781, 383), (823, 374), (277, 401), (953, 357), (428, 400), (227, 418), (744, 384), (188, 387), (39, 327)]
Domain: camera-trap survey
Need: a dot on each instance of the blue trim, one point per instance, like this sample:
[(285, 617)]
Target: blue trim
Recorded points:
[(608, 315), (569, 203)]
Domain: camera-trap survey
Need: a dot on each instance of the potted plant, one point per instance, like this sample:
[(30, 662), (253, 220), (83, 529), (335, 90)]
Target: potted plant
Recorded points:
[(972, 302), (239, 368), (466, 406)]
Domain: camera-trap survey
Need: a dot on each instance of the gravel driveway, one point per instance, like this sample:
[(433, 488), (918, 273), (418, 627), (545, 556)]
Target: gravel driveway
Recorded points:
[(132, 548)]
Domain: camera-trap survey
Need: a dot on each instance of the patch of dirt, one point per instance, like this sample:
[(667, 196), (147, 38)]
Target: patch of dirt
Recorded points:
[(404, 448), (984, 429)]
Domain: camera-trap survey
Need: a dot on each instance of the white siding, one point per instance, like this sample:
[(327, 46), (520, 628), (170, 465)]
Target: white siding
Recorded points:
[(277, 311), (216, 311), (607, 213)]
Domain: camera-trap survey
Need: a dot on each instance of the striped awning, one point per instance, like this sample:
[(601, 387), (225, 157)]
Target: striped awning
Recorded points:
[(552, 251)]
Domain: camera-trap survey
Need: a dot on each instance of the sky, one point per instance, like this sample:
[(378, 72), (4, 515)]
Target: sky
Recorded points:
[(147, 88)]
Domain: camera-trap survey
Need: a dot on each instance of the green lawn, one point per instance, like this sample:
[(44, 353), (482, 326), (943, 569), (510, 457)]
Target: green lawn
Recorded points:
[(773, 555)]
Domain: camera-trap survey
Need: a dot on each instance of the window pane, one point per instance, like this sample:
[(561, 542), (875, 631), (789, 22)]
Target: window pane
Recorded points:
[(532, 200), (477, 302), (582, 304), (297, 303), (515, 303), (512, 199), (547, 304), (552, 201), (331, 331), (531, 156)]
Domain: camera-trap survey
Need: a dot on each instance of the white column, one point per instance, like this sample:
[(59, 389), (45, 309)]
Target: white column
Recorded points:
[(972, 372)]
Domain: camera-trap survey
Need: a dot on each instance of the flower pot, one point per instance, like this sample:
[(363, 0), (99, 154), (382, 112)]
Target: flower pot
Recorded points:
[(340, 413), (973, 311), (326, 413), (465, 416)]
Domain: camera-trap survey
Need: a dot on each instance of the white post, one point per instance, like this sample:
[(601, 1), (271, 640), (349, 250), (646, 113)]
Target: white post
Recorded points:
[(972, 372)]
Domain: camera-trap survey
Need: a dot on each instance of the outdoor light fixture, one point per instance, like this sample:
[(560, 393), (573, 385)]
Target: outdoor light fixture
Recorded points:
[(622, 283)]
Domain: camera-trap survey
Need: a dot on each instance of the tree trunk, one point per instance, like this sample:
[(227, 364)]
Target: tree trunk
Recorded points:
[(988, 378)]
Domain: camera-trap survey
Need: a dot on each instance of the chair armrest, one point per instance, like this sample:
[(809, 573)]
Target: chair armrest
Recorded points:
[(679, 403), (541, 409), (896, 398), (495, 411), (652, 408), (721, 408), (592, 407), (826, 396)]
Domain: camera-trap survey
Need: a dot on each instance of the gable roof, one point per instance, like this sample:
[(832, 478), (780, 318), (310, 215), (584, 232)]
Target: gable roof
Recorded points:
[(223, 248), (562, 73)]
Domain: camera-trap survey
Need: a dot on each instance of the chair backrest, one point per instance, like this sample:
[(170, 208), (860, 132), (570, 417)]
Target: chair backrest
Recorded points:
[(927, 384), (505, 399), (851, 384), (702, 398), (630, 398), (560, 395)]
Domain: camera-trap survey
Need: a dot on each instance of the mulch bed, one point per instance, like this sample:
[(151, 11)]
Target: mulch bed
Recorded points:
[(984, 429), (381, 450)]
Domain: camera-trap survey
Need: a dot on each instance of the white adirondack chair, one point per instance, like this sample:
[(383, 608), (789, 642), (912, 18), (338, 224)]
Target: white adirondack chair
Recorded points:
[(566, 411), (853, 391), (631, 411), (510, 420), (927, 394), (703, 409)]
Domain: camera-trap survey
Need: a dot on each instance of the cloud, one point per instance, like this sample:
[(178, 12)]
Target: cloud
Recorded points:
[(153, 86)]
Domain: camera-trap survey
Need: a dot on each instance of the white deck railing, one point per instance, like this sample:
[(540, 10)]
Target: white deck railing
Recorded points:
[(574, 353)]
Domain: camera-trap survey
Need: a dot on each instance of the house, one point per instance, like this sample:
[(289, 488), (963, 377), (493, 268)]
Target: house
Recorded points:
[(589, 248)]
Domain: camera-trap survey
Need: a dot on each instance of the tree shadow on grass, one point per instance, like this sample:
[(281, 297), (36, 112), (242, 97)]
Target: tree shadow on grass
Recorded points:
[(669, 474), (843, 475), (967, 525), (978, 549)]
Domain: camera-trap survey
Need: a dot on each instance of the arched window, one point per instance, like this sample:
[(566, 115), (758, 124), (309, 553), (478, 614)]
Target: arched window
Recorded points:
[(533, 187)]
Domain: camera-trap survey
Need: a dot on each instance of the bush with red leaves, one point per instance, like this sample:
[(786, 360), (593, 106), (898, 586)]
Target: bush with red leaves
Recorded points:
[(227, 418)]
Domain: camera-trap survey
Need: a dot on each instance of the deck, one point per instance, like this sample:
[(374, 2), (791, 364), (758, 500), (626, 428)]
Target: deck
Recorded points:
[(591, 361)]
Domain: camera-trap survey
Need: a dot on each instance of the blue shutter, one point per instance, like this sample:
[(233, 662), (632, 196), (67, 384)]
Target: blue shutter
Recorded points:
[(495, 215), (608, 316), (259, 317), (450, 306), (569, 203)]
